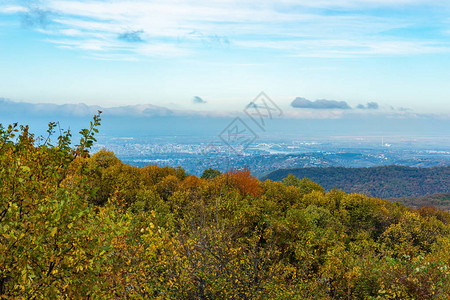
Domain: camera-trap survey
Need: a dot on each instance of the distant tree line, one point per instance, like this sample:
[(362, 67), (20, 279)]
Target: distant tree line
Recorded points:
[(440, 200), (383, 182)]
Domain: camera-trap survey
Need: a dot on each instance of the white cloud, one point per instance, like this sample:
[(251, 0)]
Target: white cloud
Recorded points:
[(11, 9), (175, 27), (344, 48), (358, 4)]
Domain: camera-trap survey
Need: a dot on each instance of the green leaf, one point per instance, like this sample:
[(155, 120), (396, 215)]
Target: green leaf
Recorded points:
[(54, 230), (25, 169)]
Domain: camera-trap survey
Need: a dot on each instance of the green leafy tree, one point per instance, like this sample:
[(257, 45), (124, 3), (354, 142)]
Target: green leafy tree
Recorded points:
[(210, 173)]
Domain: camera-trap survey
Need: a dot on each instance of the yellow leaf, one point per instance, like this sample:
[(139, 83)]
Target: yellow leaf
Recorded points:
[(54, 230)]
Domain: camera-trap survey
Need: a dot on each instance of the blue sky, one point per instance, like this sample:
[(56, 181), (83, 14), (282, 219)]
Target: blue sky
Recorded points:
[(172, 53)]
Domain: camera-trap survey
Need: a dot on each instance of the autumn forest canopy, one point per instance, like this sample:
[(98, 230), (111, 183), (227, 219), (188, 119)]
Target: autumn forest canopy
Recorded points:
[(385, 181), (77, 225)]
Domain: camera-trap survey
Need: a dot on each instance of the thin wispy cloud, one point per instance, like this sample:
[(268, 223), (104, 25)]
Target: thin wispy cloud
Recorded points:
[(35, 17), (131, 36), (370, 105), (324, 28), (401, 109), (198, 100)]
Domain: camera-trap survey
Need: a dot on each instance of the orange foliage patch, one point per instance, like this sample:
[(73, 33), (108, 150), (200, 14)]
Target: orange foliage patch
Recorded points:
[(246, 183), (191, 182)]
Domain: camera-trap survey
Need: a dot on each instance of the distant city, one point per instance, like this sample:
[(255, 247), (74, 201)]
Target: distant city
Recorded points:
[(268, 155)]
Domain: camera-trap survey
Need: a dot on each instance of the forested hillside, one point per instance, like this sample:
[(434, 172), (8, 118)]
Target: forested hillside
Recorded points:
[(384, 182), (77, 226), (441, 201)]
